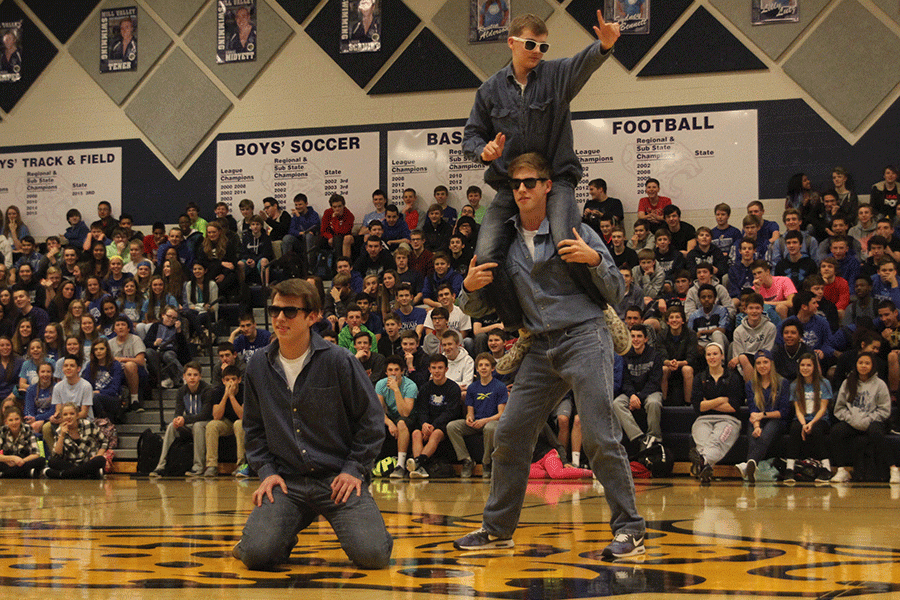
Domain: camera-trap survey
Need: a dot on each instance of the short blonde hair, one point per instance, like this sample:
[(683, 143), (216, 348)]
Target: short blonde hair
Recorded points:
[(529, 22), (531, 160)]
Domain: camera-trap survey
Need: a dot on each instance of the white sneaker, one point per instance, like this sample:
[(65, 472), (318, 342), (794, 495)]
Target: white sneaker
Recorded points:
[(167, 383), (842, 475), (895, 474), (742, 467)]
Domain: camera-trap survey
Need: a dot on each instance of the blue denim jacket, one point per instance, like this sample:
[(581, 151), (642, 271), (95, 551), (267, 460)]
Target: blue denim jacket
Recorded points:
[(331, 422), (550, 299), (537, 121)]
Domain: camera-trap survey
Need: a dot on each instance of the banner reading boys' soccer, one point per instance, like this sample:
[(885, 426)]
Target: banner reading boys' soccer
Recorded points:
[(118, 39), (360, 26), (11, 54), (236, 31), (488, 20), (633, 16), (775, 11)]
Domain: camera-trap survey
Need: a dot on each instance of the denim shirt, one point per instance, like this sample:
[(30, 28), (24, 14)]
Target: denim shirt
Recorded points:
[(330, 422), (538, 120), (550, 298)]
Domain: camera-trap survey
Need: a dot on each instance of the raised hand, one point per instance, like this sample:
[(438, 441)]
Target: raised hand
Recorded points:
[(494, 149), (607, 33)]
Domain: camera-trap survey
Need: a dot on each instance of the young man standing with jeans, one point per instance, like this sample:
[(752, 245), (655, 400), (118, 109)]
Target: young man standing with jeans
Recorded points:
[(572, 350), (313, 427), (522, 108)]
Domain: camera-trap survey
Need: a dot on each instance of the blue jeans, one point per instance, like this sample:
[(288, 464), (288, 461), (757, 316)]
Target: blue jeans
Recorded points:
[(496, 236), (271, 530), (579, 358), (772, 430)]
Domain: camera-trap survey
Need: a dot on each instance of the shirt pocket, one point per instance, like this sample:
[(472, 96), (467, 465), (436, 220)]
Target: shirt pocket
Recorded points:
[(503, 119), (540, 118)]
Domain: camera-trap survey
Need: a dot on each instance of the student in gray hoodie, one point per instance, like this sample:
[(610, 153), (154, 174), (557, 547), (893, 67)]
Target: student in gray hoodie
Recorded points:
[(705, 275), (756, 332), (862, 408)]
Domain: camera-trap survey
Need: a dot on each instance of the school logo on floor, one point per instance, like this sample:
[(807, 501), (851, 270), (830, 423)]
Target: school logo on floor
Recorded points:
[(559, 560)]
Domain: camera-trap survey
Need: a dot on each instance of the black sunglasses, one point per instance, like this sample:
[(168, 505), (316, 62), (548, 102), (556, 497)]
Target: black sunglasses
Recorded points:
[(290, 312), (529, 182), (531, 45)]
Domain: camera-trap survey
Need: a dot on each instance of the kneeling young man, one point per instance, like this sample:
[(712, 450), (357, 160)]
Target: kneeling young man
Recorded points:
[(313, 426)]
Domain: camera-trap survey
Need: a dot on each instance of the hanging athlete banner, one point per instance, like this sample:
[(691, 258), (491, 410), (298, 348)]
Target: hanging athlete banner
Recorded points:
[(488, 20), (45, 185), (317, 165), (236, 31), (775, 11), (700, 159), (118, 39), (11, 55), (360, 26), (425, 158), (633, 16)]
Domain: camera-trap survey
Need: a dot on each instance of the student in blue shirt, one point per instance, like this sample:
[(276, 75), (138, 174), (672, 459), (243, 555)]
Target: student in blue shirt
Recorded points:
[(485, 401)]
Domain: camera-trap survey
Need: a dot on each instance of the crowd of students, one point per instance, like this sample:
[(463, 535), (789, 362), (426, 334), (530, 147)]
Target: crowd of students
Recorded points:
[(764, 318), (720, 317)]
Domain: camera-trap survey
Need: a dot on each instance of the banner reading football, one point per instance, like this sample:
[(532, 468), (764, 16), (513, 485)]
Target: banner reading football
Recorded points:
[(424, 158), (45, 185), (318, 166), (700, 159)]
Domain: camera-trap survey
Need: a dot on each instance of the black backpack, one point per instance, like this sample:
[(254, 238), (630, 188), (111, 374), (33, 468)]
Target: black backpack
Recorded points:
[(658, 460), (180, 457), (149, 449)]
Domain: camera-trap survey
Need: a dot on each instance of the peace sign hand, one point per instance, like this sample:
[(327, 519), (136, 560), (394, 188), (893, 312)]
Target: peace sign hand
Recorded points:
[(607, 33), (578, 251)]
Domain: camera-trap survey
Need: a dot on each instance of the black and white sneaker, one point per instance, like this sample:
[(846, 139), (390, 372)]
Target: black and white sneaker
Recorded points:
[(625, 545), (416, 468), (750, 471), (480, 539)]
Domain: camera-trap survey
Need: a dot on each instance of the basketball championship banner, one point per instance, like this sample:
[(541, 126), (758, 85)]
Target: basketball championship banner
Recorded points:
[(425, 158)]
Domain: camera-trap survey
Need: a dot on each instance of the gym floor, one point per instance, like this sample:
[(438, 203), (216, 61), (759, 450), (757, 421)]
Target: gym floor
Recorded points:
[(132, 537)]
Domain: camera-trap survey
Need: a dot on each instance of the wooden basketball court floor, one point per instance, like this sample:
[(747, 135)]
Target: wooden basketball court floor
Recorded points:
[(130, 537)]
